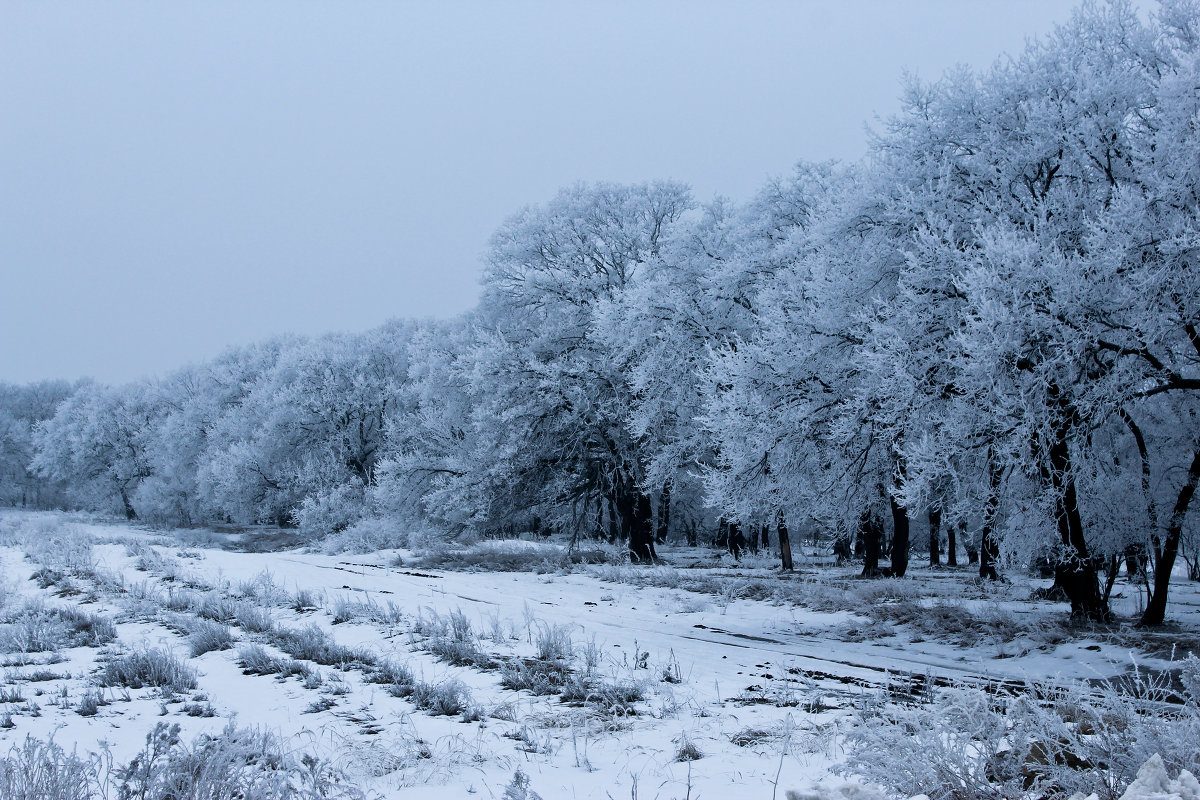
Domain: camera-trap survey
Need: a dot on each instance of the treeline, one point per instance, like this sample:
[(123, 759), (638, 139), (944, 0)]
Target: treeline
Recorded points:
[(989, 325)]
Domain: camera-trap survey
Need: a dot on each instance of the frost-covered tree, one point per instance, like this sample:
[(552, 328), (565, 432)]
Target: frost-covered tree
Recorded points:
[(96, 443), (22, 408)]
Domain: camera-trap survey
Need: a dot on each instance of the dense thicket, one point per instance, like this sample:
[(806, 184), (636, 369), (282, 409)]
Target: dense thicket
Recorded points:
[(989, 326)]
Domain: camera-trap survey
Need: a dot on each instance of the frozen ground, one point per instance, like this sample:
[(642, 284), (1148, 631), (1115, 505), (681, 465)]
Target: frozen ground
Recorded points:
[(745, 689)]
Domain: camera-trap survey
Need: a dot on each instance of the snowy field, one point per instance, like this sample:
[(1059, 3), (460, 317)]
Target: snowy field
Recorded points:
[(703, 679)]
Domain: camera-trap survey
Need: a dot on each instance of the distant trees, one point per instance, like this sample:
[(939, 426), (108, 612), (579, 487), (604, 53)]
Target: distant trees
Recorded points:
[(22, 408), (990, 324)]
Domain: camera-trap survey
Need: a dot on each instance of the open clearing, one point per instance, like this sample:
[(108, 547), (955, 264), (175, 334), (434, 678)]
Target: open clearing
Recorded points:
[(604, 681)]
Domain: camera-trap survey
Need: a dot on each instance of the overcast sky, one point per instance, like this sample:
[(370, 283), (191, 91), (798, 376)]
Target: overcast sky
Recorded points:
[(178, 177)]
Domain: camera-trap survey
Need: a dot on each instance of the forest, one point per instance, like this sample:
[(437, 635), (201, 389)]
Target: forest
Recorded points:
[(985, 331)]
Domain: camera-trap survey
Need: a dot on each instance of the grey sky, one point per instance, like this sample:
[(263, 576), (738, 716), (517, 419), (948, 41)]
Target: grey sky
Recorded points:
[(179, 177)]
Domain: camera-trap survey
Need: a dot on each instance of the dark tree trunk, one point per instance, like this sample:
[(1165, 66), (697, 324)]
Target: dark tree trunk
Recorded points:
[(785, 544), (664, 514), (752, 541), (130, 514), (989, 551), (952, 542), (723, 533), (737, 540), (935, 536), (614, 529), (899, 538), (872, 536), (764, 536), (1156, 609), (1075, 573), (641, 529)]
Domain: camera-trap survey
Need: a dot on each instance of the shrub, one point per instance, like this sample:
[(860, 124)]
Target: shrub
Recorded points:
[(236, 763), (397, 679), (610, 698), (305, 600), (207, 636), (40, 629), (255, 660), (1085, 739), (367, 536), (148, 667), (253, 619), (553, 643), (447, 698), (535, 677), (517, 555), (314, 644), (42, 770), (89, 704)]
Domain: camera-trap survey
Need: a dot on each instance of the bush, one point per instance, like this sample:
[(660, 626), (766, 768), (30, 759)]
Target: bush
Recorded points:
[(610, 698), (206, 637), (535, 677), (148, 667), (253, 619), (447, 698), (255, 660), (367, 536), (40, 629), (518, 555), (236, 763), (314, 644), (397, 679), (42, 770), (969, 744)]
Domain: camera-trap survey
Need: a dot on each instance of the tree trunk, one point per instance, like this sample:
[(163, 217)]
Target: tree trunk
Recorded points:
[(130, 514), (1156, 609), (899, 539), (641, 529), (872, 535), (785, 544), (737, 540), (952, 543), (752, 542), (664, 514), (614, 529), (989, 550), (935, 536), (1075, 573)]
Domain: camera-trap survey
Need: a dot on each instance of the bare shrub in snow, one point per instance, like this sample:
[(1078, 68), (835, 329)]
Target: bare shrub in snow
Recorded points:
[(970, 744), (235, 763), (42, 770)]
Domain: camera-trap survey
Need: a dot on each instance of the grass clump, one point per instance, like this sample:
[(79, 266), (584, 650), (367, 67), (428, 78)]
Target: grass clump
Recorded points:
[(206, 636), (314, 644), (533, 676), (448, 698), (397, 679), (609, 698), (154, 667), (42, 629)]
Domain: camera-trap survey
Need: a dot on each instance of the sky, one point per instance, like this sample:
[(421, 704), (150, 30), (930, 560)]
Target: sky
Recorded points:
[(177, 178)]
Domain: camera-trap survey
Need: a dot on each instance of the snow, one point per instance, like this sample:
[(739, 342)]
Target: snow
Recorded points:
[(764, 688)]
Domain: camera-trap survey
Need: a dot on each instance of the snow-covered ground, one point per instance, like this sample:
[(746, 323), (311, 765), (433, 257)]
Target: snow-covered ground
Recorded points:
[(743, 693)]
